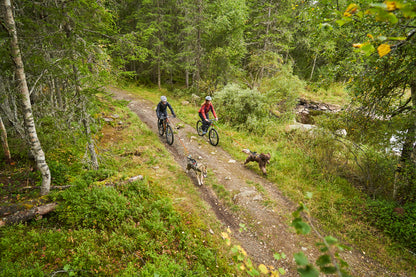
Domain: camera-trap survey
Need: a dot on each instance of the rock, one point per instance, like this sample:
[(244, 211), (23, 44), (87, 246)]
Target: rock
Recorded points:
[(231, 161), (135, 178), (184, 103), (301, 127), (258, 198), (341, 132)]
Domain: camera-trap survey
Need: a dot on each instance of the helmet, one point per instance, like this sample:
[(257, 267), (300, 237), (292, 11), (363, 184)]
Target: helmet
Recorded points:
[(208, 98), (163, 98)]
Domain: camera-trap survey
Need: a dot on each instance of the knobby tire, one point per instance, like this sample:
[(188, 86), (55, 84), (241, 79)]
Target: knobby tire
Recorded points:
[(214, 139), (169, 135)]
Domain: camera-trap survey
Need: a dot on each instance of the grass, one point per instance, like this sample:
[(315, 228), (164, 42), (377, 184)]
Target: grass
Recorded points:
[(296, 170), (159, 225), (106, 226)]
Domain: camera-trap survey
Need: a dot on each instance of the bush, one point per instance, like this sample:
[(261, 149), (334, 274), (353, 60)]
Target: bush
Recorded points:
[(243, 108), (283, 90), (397, 222)]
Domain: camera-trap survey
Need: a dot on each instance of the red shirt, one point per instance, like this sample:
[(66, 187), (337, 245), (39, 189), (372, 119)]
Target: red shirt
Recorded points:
[(205, 108)]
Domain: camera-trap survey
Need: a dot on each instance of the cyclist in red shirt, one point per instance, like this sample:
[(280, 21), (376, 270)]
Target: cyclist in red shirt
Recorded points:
[(204, 114)]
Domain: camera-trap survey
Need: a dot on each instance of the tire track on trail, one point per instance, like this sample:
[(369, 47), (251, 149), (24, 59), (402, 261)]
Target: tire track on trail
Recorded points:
[(266, 214)]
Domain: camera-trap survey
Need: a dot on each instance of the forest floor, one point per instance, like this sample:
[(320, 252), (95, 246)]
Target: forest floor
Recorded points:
[(259, 215)]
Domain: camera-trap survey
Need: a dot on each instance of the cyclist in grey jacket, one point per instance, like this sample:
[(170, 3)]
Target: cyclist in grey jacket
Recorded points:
[(161, 110)]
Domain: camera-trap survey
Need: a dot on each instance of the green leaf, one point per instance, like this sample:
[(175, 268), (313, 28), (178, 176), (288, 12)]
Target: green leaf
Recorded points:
[(301, 227), (367, 49), (328, 269), (326, 26), (331, 240), (397, 38), (282, 271), (300, 259), (323, 260), (253, 272), (276, 256), (309, 195), (308, 271), (341, 22), (408, 11)]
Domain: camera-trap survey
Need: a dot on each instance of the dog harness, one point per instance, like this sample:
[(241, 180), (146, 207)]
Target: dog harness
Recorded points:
[(193, 163)]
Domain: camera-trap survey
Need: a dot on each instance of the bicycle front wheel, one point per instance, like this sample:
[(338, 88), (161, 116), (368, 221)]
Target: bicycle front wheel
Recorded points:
[(199, 128), (213, 137), (160, 127), (169, 135)]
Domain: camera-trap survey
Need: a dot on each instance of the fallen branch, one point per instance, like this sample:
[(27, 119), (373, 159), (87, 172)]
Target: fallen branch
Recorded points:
[(52, 187), (23, 216)]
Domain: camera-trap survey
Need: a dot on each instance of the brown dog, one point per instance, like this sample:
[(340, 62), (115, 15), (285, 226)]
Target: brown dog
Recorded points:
[(199, 169), (262, 159)]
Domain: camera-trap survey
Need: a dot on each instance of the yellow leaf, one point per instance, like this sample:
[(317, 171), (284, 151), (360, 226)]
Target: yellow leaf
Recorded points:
[(229, 230), (383, 50), (224, 235), (370, 36), (357, 45), (243, 252), (391, 5), (263, 269), (352, 8), (242, 267)]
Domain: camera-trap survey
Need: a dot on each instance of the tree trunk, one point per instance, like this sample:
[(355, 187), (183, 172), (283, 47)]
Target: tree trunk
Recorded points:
[(25, 98), (313, 66), (3, 134), (91, 148), (23, 216), (408, 147), (84, 116)]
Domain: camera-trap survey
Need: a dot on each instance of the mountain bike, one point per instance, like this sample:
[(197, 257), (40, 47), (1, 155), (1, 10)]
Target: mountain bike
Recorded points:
[(164, 128), (213, 137)]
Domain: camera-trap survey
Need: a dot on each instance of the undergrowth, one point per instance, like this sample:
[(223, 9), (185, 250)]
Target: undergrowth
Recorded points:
[(302, 163), (106, 225)]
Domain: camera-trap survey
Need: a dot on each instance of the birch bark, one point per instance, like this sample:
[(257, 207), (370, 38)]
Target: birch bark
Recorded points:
[(29, 121), (3, 134)]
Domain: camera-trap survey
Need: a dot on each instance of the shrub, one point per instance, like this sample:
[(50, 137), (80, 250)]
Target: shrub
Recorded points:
[(283, 90), (244, 108), (397, 223)]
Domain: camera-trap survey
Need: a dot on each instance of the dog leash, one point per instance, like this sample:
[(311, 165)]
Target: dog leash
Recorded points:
[(186, 150), (230, 136)]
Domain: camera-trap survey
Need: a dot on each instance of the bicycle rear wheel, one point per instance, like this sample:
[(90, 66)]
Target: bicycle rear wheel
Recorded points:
[(169, 135), (160, 127), (213, 137), (199, 128)]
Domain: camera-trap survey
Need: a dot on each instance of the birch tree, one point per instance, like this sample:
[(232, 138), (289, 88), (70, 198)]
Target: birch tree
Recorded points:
[(3, 135), (29, 121)]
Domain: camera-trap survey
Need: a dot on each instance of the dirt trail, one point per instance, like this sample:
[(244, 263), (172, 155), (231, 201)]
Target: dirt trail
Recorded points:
[(268, 229)]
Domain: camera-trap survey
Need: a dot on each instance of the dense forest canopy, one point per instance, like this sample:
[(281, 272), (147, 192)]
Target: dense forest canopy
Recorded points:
[(71, 48)]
